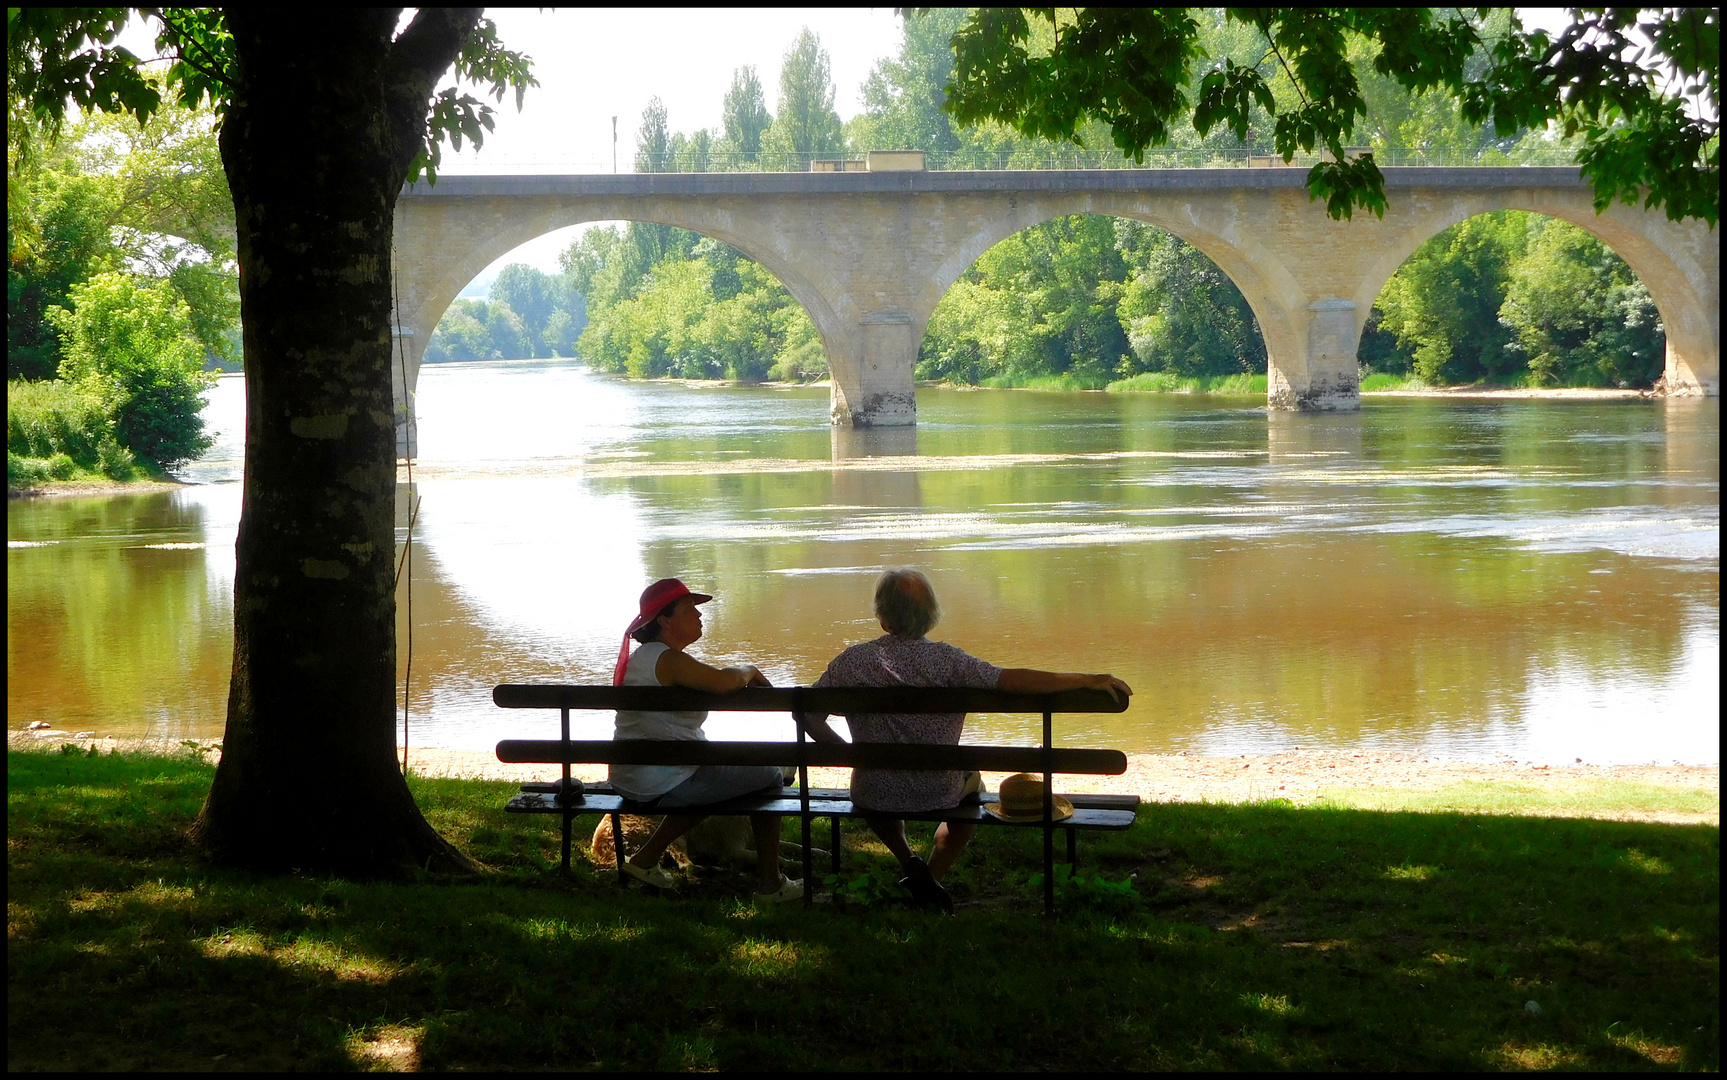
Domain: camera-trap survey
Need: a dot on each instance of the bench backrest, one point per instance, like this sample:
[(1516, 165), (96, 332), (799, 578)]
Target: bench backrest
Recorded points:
[(802, 702), (825, 701), (909, 756)]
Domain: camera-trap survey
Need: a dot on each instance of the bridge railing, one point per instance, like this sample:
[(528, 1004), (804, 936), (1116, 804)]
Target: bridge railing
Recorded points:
[(1529, 152)]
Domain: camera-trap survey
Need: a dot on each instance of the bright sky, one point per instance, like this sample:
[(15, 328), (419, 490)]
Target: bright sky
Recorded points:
[(594, 64)]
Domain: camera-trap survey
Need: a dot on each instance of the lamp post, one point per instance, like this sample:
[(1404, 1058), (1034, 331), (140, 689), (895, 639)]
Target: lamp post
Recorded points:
[(614, 144)]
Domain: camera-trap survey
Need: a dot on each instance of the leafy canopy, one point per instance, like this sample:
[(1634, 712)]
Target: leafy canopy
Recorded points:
[(129, 344), (57, 57), (114, 194), (1641, 88)]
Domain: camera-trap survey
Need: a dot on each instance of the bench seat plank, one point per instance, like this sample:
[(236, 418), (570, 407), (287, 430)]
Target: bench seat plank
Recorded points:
[(915, 756), (1080, 801), (535, 802)]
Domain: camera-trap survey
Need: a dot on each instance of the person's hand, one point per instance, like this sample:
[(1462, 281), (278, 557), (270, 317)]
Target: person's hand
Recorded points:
[(751, 675), (1111, 685)]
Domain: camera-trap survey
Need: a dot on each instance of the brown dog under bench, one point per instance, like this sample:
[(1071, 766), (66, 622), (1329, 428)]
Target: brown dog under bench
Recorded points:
[(1106, 812)]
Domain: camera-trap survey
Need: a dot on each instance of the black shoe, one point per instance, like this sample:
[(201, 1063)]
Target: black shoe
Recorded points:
[(926, 891)]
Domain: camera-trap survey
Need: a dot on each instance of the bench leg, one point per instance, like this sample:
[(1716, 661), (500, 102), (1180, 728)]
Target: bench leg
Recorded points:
[(618, 852), (565, 864), (809, 878), (834, 841), (1049, 870)]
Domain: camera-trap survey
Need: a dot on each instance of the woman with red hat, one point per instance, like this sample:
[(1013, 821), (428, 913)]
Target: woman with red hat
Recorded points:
[(670, 620)]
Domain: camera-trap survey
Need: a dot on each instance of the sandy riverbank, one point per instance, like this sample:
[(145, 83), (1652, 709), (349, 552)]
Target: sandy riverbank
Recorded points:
[(1300, 775), (58, 488)]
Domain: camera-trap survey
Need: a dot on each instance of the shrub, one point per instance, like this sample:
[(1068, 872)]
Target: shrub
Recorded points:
[(54, 417), (1168, 382), (1382, 380), (22, 472), (129, 343), (1240, 383), (115, 461), (1154, 382)]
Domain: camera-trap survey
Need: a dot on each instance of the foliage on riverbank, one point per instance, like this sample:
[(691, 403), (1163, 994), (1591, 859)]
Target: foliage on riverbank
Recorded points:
[(120, 288), (109, 195), (129, 396), (1257, 936), (57, 432)]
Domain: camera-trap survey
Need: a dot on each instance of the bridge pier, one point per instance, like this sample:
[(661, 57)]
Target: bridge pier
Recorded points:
[(1325, 377), (406, 350), (872, 372)]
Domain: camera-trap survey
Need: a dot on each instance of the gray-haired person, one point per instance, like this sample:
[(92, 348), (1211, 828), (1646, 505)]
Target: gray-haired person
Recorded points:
[(906, 606)]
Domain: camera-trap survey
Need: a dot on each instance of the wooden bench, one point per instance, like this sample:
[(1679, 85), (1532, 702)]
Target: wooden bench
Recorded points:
[(1108, 812)]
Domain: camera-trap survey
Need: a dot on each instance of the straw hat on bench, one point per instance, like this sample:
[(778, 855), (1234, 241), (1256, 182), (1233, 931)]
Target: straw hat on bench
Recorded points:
[(1022, 800)]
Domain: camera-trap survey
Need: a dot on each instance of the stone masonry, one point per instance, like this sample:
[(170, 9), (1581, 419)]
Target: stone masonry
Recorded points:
[(869, 255)]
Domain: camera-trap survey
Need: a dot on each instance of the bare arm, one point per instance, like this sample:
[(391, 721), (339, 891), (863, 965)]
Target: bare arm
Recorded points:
[(819, 730), (676, 668), (1033, 681)]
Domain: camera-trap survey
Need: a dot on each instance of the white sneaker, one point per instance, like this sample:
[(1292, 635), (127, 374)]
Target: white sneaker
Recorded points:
[(790, 889), (653, 876)]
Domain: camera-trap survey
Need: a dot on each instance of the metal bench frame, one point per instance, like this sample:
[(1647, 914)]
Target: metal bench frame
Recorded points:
[(1093, 812)]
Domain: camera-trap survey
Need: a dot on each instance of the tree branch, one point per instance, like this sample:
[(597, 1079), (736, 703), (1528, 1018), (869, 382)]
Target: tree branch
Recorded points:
[(418, 58), (214, 71)]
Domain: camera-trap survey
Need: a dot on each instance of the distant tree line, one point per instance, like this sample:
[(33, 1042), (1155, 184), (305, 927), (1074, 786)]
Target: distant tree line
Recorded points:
[(528, 313)]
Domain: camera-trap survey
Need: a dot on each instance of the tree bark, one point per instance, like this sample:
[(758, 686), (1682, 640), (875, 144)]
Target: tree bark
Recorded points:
[(319, 134)]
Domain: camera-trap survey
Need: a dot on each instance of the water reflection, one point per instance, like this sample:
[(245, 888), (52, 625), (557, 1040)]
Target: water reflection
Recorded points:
[(1476, 579), (1292, 438), (119, 611)]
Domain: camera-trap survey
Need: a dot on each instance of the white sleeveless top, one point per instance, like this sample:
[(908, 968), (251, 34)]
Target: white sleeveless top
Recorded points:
[(644, 782)]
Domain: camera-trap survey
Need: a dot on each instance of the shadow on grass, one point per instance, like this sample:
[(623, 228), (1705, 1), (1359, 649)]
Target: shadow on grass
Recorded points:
[(1263, 937)]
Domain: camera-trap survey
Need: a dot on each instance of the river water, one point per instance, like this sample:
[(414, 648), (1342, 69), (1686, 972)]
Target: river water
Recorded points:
[(1538, 580)]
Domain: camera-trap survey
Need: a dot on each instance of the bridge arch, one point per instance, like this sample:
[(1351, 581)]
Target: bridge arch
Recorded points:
[(1268, 289), (1682, 279), (436, 291)]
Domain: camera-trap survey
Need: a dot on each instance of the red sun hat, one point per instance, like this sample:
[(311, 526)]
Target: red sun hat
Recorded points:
[(654, 600)]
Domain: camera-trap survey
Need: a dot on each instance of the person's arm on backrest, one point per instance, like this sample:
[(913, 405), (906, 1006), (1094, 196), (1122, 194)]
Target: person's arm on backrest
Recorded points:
[(676, 668), (1033, 681), (817, 728)]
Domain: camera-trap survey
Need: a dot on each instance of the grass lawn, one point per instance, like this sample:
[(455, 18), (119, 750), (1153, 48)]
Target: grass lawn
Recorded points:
[(1262, 936)]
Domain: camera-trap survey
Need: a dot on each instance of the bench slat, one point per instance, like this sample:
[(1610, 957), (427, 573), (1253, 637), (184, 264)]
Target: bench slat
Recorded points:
[(534, 802), (834, 701), (909, 756), (1081, 801)]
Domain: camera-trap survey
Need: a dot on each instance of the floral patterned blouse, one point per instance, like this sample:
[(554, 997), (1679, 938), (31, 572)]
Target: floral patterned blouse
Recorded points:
[(892, 660)]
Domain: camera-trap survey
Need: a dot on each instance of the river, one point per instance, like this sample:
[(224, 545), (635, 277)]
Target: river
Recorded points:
[(1473, 580)]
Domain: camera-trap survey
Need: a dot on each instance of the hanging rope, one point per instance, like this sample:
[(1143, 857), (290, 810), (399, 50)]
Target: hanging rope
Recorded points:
[(406, 561)]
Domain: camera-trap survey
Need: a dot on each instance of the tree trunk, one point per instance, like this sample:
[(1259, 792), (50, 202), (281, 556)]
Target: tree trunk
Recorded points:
[(313, 143)]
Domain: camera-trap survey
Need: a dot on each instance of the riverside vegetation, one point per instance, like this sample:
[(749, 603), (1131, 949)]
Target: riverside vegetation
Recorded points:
[(1508, 298), (120, 293), (1209, 936)]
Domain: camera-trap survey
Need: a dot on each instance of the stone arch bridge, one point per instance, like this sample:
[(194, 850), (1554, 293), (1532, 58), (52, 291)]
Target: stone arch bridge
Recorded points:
[(869, 255)]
